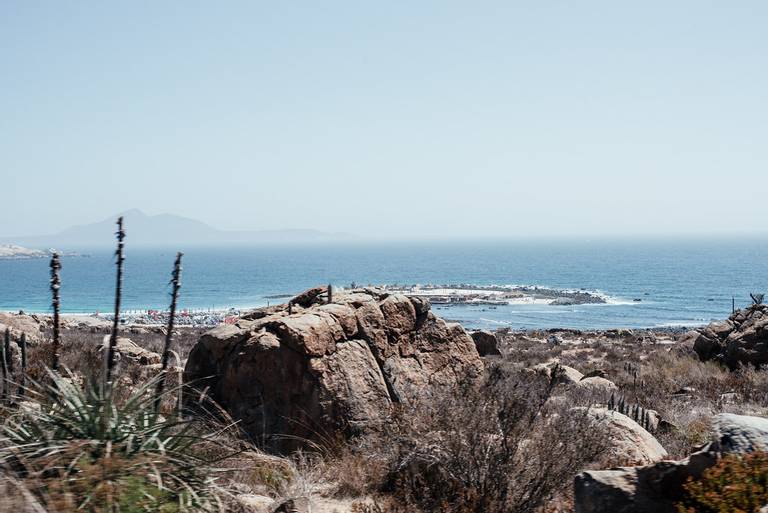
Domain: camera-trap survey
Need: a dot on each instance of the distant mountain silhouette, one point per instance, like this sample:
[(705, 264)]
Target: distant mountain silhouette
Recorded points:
[(166, 230)]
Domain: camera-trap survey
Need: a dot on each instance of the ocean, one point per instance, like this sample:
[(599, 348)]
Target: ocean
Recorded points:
[(682, 282)]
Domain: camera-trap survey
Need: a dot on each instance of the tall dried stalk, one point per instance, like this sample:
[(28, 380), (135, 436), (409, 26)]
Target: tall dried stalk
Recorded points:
[(55, 303), (110, 364), (7, 350), (6, 374), (23, 378), (176, 285)]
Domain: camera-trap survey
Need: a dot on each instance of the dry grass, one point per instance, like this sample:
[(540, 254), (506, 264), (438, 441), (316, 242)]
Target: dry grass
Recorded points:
[(685, 391), (80, 349), (500, 446)]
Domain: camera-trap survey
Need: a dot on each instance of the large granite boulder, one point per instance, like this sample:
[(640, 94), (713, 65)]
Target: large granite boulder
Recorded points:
[(741, 339), (304, 374), (655, 488), (629, 442)]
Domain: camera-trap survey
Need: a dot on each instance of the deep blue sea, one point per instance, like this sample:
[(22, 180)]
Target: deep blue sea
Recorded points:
[(680, 282)]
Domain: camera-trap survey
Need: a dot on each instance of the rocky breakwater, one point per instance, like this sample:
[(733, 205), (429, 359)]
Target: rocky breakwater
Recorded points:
[(305, 371), (741, 339)]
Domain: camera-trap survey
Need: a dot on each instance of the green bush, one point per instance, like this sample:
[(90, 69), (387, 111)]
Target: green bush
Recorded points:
[(735, 484)]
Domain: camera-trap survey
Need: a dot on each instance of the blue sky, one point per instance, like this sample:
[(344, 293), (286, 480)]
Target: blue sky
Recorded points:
[(387, 119)]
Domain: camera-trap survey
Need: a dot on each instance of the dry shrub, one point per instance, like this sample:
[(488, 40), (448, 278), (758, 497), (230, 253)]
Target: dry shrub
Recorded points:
[(735, 483), (495, 447), (650, 375), (16, 497), (527, 351), (79, 351), (357, 470)]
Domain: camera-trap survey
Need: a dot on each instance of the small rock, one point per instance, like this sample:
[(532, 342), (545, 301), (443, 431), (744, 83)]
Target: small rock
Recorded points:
[(256, 503), (486, 343), (565, 375), (685, 391), (555, 340), (295, 505), (597, 384)]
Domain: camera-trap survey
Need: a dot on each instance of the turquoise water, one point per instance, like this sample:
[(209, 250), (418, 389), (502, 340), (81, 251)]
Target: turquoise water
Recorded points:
[(680, 282)]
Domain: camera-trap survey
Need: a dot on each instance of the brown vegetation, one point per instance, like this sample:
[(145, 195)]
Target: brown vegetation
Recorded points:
[(684, 391), (735, 483)]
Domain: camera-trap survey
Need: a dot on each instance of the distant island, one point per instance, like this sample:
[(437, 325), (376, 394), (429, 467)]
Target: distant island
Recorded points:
[(14, 252), (164, 230)]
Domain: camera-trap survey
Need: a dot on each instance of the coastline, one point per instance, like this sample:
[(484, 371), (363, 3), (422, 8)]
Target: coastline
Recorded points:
[(491, 307), (213, 319)]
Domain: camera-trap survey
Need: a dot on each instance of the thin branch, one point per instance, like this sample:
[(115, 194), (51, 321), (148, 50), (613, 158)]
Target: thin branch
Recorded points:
[(6, 374), (23, 379)]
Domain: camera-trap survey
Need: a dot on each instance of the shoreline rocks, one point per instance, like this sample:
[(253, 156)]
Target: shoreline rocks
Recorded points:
[(14, 252)]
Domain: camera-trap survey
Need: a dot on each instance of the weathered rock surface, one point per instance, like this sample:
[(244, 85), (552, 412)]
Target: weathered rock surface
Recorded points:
[(19, 323), (655, 488), (648, 489), (326, 368), (562, 373), (629, 442), (739, 433), (486, 343), (741, 339), (597, 385), (254, 503), (125, 348)]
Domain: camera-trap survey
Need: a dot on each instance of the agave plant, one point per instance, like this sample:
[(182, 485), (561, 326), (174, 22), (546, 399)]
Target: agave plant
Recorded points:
[(81, 443)]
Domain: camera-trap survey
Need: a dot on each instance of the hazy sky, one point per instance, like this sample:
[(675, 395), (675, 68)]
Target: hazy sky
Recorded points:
[(394, 119)]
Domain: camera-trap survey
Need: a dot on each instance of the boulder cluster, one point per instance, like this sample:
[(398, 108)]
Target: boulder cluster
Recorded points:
[(741, 339), (655, 488), (304, 371)]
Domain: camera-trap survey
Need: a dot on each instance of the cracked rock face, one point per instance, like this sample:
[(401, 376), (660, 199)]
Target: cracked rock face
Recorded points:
[(741, 339), (299, 375)]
